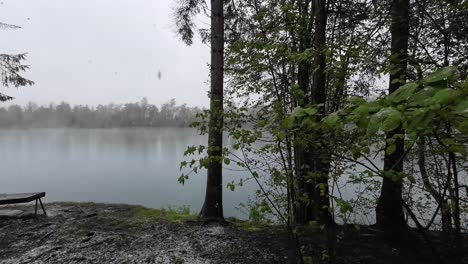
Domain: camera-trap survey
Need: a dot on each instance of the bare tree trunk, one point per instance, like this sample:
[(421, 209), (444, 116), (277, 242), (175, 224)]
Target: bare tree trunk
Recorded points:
[(320, 156), (312, 161), (456, 206), (389, 211), (213, 207), (301, 150), (439, 197)]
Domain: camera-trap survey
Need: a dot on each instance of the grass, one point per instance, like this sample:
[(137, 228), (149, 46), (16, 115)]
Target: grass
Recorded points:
[(174, 215), (140, 214), (245, 225), (183, 214)]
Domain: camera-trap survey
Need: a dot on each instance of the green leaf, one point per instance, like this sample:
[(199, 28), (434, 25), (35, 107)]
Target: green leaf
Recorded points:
[(345, 206), (404, 92), (302, 112), (288, 122), (446, 96), (391, 148), (357, 100), (227, 161), (183, 164), (375, 106), (201, 148), (361, 110), (310, 111), (231, 186), (441, 74), (458, 149), (424, 96), (462, 126), (365, 150), (392, 121), (309, 122), (182, 179), (298, 112), (374, 125), (190, 150), (281, 135), (461, 108), (262, 123), (331, 120)]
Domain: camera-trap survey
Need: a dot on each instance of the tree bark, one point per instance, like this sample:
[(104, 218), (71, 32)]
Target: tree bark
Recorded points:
[(312, 161), (302, 158), (389, 211), (320, 156), (445, 210), (213, 206)]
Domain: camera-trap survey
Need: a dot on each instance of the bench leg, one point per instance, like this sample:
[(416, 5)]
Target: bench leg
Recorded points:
[(43, 209), (35, 210)]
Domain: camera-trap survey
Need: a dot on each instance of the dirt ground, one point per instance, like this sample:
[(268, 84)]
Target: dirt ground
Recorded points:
[(100, 233)]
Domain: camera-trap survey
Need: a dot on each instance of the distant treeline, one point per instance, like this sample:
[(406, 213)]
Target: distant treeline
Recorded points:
[(139, 114)]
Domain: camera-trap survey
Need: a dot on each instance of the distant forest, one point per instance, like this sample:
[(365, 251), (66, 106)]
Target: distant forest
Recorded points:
[(139, 114)]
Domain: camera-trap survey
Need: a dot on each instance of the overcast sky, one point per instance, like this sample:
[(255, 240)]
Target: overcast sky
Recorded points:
[(102, 51)]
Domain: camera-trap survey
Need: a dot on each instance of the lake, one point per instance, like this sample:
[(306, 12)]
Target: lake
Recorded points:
[(133, 166)]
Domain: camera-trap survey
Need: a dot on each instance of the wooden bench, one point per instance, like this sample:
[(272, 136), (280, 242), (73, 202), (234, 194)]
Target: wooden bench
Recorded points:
[(16, 198)]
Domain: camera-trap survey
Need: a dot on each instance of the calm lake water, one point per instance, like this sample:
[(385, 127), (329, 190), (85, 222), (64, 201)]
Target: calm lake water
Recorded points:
[(134, 166)]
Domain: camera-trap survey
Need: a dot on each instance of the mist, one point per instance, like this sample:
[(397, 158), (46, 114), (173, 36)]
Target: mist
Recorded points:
[(97, 52)]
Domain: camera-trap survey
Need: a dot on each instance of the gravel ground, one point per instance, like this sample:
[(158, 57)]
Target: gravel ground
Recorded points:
[(98, 233), (104, 233)]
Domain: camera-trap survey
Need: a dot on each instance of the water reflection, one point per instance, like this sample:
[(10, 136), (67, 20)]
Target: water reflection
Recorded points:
[(137, 166)]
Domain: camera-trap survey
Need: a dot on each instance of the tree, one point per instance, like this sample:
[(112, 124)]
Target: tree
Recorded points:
[(439, 39), (11, 67), (312, 159), (296, 69), (213, 206), (389, 211), (321, 157), (286, 53)]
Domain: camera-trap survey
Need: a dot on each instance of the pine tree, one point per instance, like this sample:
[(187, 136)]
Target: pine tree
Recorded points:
[(10, 68)]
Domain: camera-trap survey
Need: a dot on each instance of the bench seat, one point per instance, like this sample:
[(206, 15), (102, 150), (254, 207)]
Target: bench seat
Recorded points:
[(15, 198)]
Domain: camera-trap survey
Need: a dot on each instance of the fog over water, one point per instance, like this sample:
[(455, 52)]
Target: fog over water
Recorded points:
[(134, 165)]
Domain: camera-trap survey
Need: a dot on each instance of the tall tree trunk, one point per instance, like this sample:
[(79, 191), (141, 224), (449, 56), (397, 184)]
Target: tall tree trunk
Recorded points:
[(320, 157), (302, 159), (389, 211), (213, 207), (312, 161)]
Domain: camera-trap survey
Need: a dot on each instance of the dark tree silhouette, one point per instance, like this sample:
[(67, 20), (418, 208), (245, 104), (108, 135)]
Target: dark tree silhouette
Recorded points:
[(138, 114), (213, 206), (389, 211), (11, 67), (321, 159)]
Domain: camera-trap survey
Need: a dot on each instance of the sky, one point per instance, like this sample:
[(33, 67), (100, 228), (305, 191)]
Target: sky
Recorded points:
[(102, 51)]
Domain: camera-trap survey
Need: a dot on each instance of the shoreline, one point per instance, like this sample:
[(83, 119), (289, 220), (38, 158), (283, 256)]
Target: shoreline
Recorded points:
[(120, 233)]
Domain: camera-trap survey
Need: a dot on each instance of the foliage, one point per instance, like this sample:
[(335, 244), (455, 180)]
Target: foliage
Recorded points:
[(184, 14), (10, 68), (421, 108), (279, 132)]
